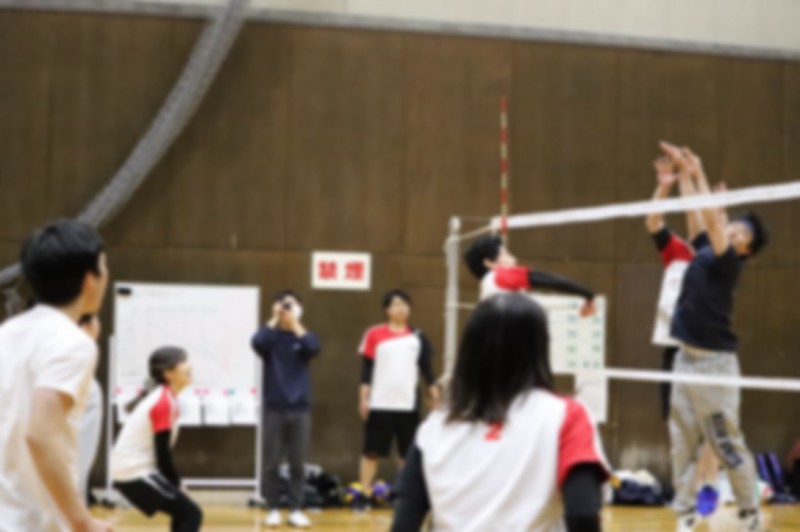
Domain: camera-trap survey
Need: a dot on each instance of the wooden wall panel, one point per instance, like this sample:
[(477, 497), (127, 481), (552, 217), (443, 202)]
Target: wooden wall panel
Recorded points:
[(453, 91), (347, 137), (563, 144), (158, 62), (766, 321), (791, 163), (9, 252), (26, 44), (102, 102), (229, 174), (753, 142), (791, 114), (751, 122)]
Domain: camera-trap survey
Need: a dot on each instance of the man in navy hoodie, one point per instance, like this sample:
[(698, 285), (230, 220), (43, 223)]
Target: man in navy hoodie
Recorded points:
[(286, 348)]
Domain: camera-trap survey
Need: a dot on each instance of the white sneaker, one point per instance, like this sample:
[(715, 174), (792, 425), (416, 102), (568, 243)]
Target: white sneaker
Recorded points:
[(687, 522), (273, 519), (299, 520), (750, 521)]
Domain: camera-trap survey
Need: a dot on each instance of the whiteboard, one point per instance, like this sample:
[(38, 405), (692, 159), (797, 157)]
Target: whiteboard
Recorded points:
[(213, 323), (576, 343), (579, 344)]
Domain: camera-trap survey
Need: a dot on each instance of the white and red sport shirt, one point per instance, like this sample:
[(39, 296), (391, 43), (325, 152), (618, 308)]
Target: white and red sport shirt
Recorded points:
[(676, 254), (489, 477), (395, 377), (134, 453), (499, 280)]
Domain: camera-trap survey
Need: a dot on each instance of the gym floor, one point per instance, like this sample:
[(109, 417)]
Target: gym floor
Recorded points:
[(617, 519)]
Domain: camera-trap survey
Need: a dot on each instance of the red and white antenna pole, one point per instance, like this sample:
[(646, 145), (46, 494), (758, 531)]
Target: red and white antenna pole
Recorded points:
[(504, 168)]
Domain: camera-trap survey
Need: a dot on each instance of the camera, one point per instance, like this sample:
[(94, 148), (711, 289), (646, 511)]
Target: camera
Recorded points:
[(286, 305)]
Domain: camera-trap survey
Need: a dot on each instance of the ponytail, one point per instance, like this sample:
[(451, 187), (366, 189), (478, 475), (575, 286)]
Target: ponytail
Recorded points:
[(163, 359), (149, 386)]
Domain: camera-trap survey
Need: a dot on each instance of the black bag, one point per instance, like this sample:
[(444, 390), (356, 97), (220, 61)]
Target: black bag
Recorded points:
[(322, 490)]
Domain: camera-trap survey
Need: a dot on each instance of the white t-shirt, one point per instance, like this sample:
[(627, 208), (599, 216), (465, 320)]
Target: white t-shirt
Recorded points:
[(506, 478), (134, 453), (676, 257), (396, 373), (41, 348)]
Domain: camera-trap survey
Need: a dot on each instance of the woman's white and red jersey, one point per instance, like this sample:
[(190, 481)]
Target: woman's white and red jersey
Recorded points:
[(134, 453), (499, 280), (676, 255), (484, 477), (398, 358), (522, 279)]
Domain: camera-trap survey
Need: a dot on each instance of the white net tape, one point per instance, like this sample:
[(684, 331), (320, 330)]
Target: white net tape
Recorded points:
[(742, 196), (753, 383)]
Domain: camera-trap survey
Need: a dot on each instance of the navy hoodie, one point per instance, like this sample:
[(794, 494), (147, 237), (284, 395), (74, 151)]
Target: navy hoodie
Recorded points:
[(287, 383)]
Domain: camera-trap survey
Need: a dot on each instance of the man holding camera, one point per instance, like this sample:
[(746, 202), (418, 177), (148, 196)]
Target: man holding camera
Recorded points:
[(286, 348)]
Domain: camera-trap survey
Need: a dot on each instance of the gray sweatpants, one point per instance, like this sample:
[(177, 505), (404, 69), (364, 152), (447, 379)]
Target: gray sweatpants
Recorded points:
[(700, 413), (285, 433)]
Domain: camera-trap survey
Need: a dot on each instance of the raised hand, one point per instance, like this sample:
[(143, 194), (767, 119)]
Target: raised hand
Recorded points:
[(693, 161), (290, 318), (588, 309), (664, 171), (276, 314), (672, 151)]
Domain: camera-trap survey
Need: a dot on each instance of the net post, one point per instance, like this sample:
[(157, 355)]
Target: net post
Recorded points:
[(451, 248), (504, 168)]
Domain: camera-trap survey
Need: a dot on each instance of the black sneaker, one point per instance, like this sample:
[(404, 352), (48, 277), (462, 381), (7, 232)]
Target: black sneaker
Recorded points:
[(750, 521)]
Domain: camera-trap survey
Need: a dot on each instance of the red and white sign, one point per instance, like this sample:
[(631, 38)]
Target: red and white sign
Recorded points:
[(332, 270)]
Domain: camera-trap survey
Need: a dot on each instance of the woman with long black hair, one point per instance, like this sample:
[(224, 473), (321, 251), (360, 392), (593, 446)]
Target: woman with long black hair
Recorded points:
[(505, 452), (141, 461)]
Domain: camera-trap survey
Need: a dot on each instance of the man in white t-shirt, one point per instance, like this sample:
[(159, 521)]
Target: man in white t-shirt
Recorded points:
[(46, 369)]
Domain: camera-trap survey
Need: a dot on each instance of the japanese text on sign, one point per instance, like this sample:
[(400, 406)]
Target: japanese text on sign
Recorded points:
[(341, 271)]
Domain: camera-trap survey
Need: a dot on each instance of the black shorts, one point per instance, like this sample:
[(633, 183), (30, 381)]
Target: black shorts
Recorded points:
[(383, 426), (149, 494), (154, 493)]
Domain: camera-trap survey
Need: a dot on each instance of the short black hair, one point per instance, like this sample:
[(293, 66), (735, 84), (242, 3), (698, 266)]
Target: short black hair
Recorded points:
[(760, 233), (504, 353), (486, 247), (389, 296), (164, 359), (56, 259), (279, 296)]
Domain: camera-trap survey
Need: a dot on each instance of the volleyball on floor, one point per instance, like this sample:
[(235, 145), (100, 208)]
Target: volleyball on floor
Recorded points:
[(381, 491), (352, 492)]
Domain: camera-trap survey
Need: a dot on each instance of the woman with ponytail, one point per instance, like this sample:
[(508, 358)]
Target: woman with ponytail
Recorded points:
[(141, 461)]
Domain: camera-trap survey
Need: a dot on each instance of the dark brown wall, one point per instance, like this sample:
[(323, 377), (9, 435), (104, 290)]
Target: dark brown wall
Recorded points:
[(357, 140)]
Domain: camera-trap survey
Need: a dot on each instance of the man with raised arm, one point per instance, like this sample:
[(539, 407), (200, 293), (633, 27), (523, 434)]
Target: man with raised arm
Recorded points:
[(702, 325), (676, 255)]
